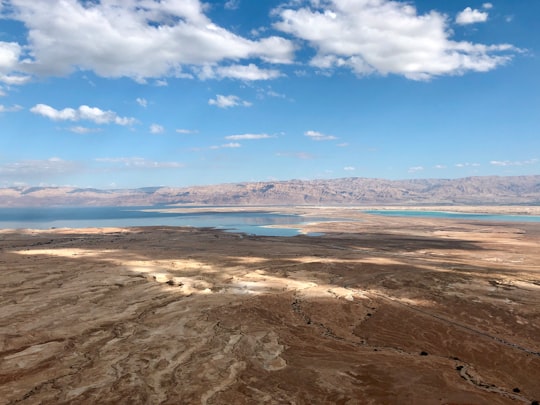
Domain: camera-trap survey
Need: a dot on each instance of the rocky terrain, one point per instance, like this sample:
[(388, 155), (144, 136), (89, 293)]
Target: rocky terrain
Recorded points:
[(378, 310), (347, 191)]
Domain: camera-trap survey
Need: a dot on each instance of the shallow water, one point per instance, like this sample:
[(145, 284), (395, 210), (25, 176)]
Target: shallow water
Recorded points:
[(456, 215), (83, 217)]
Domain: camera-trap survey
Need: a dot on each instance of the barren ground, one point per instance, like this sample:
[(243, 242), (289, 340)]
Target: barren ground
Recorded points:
[(379, 311)]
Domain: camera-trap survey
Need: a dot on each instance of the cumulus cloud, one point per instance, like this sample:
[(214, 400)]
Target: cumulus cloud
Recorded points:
[(84, 112), (386, 37), (248, 137), (130, 38), (487, 6), (222, 101), (318, 136), (10, 54), (471, 16)]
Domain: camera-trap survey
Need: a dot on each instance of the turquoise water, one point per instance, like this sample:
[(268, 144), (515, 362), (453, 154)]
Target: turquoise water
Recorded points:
[(456, 215), (85, 217)]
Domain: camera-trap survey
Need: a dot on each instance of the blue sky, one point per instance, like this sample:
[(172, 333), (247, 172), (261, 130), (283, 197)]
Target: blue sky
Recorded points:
[(133, 93)]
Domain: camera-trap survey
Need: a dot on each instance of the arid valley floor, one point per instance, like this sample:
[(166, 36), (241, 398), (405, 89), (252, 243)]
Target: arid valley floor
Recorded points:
[(379, 310)]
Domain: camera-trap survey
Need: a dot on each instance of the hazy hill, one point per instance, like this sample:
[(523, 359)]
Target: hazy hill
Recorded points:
[(345, 191)]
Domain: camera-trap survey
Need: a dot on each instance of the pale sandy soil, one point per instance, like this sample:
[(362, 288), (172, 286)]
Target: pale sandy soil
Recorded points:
[(377, 311)]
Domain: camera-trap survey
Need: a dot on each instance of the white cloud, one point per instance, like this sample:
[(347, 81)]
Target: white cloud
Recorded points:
[(156, 129), (248, 137), (386, 37), (142, 102), (10, 54), (416, 169), (349, 168), (84, 112), (83, 130), (232, 4), (230, 145), (13, 108), (139, 39), (318, 136), (514, 163), (462, 165), (440, 167), (187, 131), (487, 6), (296, 155), (471, 16), (222, 101), (141, 163), (249, 72), (37, 168)]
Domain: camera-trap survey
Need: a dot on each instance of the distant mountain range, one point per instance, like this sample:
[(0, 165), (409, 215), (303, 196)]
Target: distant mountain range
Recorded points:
[(345, 191)]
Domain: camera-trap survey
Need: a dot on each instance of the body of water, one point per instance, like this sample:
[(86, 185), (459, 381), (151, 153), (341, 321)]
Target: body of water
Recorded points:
[(86, 217), (456, 215)]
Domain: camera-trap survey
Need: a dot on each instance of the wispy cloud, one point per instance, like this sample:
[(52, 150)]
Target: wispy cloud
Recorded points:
[(319, 136), (37, 168), (156, 129), (248, 137), (186, 131), (140, 163), (462, 165), (232, 4), (222, 101), (13, 108), (514, 163), (84, 112), (296, 155), (349, 168), (142, 102), (230, 145), (83, 130), (416, 169)]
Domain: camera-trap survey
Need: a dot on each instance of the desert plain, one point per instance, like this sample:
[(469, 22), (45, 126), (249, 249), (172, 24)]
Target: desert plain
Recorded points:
[(372, 310)]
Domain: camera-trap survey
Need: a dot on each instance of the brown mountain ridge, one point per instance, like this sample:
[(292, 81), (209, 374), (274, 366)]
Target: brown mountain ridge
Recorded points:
[(485, 190)]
